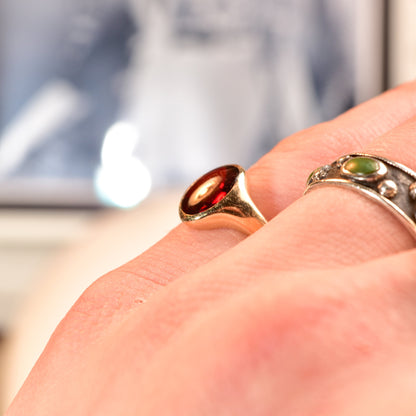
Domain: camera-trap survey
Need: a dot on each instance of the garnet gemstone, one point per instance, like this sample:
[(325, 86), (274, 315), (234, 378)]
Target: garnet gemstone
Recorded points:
[(209, 189)]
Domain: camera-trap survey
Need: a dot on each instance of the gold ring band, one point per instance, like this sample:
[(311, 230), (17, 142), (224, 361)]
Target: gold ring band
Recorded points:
[(219, 199)]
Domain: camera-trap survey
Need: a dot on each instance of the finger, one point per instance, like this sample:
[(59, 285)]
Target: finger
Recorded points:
[(333, 227), (279, 177), (274, 183), (340, 335), (302, 327)]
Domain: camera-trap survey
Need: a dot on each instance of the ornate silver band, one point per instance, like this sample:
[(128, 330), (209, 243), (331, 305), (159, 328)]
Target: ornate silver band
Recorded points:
[(383, 180)]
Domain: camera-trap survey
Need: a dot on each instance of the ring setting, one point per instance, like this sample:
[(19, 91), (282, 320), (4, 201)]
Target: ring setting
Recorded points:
[(383, 180), (220, 199)]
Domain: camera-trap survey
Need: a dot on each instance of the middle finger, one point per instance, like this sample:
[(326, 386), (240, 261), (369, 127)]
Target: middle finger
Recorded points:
[(332, 226)]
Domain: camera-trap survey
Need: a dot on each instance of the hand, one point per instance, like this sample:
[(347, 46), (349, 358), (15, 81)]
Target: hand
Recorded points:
[(314, 314)]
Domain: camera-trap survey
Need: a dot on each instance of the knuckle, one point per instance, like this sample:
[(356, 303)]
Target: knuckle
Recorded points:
[(104, 303)]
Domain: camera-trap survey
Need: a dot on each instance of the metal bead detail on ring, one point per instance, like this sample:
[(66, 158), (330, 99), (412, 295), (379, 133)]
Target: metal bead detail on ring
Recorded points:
[(219, 199), (385, 181)]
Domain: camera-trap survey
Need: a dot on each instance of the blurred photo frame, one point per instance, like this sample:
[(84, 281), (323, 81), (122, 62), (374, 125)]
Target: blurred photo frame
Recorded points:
[(99, 101), (401, 41)]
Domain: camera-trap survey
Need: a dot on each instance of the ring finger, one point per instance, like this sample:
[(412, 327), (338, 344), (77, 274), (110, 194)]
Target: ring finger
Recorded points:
[(275, 182)]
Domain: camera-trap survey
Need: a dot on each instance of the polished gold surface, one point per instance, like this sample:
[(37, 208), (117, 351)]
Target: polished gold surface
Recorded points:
[(236, 210)]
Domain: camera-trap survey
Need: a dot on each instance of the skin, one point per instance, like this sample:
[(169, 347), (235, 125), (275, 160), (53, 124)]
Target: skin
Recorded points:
[(314, 314)]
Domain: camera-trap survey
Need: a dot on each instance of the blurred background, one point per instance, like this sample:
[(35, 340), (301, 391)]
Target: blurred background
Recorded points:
[(109, 108)]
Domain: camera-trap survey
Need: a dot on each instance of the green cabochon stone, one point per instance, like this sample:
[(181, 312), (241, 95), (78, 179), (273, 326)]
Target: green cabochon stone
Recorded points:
[(362, 166)]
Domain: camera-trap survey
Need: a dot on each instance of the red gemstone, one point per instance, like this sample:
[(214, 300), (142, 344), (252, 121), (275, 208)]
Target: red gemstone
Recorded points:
[(209, 189)]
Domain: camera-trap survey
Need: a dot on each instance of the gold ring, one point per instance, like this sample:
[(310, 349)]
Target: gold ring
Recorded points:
[(219, 199)]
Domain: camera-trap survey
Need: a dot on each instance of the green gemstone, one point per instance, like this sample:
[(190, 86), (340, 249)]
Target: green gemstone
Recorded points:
[(362, 166)]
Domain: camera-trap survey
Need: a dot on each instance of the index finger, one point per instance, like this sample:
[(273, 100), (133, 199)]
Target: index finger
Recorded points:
[(274, 182)]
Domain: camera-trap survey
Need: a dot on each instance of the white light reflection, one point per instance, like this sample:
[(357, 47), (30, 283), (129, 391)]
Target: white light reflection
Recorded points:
[(122, 180), (119, 143)]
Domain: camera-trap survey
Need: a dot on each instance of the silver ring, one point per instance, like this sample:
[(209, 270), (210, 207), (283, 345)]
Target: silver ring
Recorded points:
[(385, 181)]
